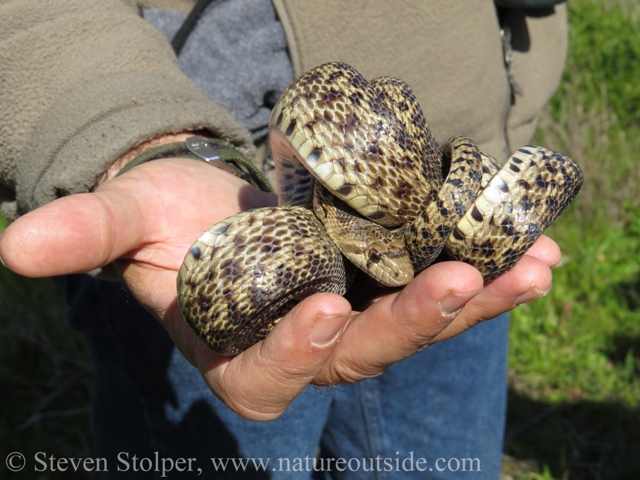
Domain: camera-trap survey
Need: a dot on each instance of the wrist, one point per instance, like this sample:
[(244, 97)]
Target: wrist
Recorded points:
[(217, 152), (145, 146)]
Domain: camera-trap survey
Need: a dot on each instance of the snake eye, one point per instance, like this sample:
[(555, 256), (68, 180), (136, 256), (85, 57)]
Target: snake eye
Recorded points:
[(374, 255)]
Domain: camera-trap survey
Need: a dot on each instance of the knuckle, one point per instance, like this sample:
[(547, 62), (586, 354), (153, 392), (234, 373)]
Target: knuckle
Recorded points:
[(347, 373)]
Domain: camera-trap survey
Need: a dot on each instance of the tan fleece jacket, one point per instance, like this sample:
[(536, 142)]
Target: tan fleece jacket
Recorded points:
[(83, 81)]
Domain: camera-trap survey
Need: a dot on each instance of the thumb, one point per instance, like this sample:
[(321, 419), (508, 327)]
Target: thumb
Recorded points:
[(260, 383), (70, 235)]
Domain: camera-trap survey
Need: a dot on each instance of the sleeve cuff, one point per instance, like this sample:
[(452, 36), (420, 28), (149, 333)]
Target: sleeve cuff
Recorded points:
[(97, 122)]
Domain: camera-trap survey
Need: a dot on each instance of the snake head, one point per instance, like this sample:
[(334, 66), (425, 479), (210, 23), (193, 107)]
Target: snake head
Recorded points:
[(388, 262)]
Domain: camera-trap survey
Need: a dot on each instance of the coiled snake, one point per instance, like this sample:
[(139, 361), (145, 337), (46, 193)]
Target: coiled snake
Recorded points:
[(385, 196)]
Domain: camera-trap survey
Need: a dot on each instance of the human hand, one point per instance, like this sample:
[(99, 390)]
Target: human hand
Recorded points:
[(146, 220)]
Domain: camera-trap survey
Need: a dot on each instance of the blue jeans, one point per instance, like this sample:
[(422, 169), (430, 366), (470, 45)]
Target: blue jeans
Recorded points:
[(439, 414)]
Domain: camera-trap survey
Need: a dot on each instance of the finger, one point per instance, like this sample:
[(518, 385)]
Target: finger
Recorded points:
[(546, 250), (402, 323), (529, 280), (260, 383)]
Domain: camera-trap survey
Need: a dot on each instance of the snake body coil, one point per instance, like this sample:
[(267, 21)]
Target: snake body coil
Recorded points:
[(385, 196)]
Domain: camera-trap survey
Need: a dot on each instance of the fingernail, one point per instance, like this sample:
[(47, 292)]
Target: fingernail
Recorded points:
[(559, 264), (455, 302), (326, 329), (532, 294)]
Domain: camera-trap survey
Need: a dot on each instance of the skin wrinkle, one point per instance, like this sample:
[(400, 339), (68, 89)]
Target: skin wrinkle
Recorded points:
[(112, 231), (349, 371), (281, 372), (164, 238), (144, 226), (237, 399), (153, 294), (235, 394), (416, 342), (165, 211)]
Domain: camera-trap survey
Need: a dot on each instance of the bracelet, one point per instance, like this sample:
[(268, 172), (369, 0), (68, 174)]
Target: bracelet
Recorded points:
[(217, 152)]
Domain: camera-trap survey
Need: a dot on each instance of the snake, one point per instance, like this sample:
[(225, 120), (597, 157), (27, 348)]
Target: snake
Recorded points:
[(363, 184)]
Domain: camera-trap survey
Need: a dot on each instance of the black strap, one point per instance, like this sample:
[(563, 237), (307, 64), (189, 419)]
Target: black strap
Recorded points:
[(527, 3), (181, 36)]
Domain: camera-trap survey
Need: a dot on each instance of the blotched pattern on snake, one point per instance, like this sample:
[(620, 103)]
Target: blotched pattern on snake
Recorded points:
[(360, 177)]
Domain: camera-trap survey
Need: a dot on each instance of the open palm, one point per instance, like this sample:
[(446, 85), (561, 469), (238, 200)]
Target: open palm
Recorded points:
[(145, 221)]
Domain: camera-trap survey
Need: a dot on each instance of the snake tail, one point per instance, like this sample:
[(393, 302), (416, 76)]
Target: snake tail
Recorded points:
[(528, 193)]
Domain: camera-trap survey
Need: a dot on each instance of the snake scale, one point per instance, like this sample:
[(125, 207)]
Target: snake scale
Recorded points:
[(362, 181)]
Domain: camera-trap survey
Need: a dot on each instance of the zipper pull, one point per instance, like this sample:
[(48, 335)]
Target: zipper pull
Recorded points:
[(507, 50)]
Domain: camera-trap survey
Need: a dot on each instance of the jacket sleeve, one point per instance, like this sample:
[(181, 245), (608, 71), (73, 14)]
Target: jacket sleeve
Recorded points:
[(81, 83)]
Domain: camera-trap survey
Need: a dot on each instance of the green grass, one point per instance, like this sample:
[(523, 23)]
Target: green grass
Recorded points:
[(574, 383), (574, 408)]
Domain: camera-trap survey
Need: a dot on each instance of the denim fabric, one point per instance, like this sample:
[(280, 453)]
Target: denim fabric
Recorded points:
[(443, 405)]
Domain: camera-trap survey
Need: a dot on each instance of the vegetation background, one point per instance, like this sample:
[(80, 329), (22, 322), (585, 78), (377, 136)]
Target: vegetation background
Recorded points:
[(574, 383)]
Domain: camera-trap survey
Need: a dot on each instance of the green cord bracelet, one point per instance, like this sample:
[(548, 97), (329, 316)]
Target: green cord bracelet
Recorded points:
[(217, 152)]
